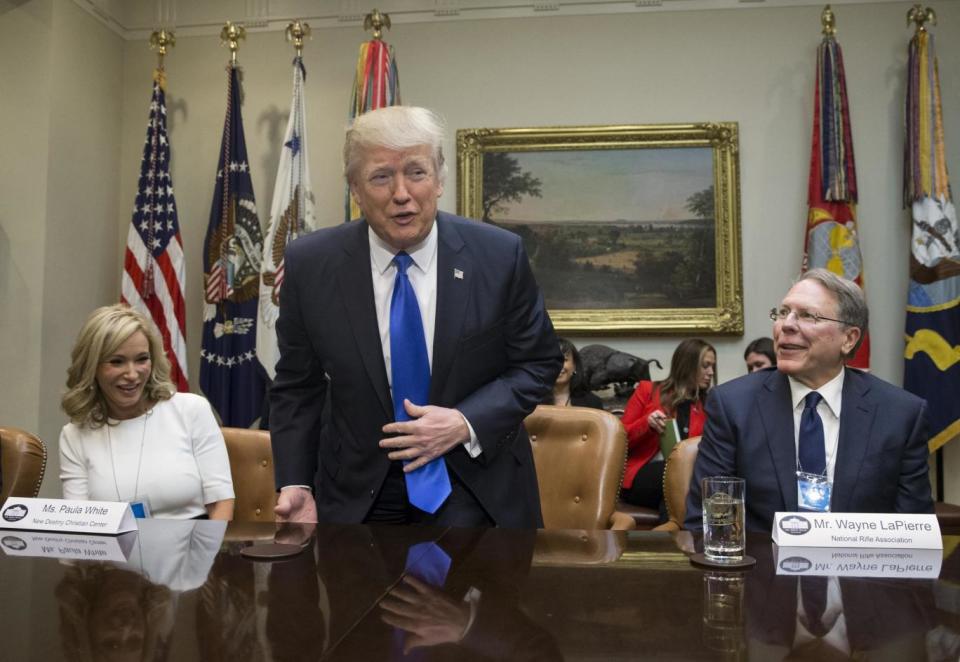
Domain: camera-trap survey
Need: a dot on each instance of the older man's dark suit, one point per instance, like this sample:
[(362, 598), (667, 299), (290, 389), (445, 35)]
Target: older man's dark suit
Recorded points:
[(494, 357), (882, 451)]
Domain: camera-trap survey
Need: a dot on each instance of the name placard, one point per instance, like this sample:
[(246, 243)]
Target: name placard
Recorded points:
[(854, 562), (103, 517), (68, 545), (876, 530)]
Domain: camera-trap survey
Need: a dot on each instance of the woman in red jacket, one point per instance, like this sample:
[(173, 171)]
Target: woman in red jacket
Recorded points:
[(681, 396)]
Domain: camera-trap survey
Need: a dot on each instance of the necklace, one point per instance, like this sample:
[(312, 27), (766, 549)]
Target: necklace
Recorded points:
[(113, 461)]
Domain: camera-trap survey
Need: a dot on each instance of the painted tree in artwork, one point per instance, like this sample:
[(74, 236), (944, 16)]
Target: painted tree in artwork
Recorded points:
[(504, 181), (701, 203)]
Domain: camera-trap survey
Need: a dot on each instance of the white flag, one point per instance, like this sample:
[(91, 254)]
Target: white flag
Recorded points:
[(291, 215)]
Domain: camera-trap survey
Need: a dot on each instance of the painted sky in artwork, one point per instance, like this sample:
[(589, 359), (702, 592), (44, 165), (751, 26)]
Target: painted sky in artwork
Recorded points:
[(609, 185)]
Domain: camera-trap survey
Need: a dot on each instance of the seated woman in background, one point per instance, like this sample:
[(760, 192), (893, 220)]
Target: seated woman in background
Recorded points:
[(131, 436), (760, 354), (570, 390), (681, 396)]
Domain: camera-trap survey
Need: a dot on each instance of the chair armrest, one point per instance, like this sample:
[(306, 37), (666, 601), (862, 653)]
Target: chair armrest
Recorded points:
[(669, 525), (622, 522)]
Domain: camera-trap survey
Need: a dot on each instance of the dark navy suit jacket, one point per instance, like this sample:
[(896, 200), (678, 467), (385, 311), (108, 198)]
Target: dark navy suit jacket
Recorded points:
[(882, 451), (495, 356)]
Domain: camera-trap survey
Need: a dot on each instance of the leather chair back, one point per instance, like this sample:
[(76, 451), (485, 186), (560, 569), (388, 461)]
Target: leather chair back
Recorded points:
[(676, 481), (580, 455), (251, 463), (23, 458)]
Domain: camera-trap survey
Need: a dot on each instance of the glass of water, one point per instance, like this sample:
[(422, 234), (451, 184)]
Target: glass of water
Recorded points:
[(723, 529)]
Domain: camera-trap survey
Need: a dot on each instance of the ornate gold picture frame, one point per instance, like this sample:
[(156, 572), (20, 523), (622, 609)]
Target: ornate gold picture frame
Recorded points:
[(630, 229)]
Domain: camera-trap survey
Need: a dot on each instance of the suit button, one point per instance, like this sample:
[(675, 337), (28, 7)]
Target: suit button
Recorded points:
[(371, 494)]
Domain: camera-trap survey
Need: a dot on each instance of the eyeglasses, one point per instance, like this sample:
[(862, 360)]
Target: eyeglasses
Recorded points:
[(804, 317)]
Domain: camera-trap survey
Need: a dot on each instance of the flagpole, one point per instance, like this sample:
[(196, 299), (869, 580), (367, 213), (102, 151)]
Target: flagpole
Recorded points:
[(160, 41)]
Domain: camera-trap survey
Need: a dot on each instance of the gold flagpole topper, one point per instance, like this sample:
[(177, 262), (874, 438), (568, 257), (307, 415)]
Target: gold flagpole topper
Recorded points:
[(377, 21), (918, 15), (160, 41), (296, 32), (230, 35), (829, 22)]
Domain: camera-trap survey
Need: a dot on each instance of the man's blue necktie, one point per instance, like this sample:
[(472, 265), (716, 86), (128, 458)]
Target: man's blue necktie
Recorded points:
[(429, 486), (811, 448)]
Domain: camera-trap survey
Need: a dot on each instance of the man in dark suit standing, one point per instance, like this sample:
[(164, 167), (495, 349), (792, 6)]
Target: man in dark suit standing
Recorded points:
[(427, 338), (812, 434)]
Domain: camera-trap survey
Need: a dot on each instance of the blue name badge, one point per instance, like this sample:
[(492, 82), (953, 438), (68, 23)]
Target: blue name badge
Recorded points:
[(813, 492), (140, 508)]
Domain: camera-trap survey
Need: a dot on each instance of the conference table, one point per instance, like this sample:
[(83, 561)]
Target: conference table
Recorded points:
[(189, 591)]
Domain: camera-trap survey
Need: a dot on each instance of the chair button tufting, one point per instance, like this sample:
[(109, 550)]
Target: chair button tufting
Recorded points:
[(263, 463), (576, 499), (533, 437), (257, 511), (583, 437)]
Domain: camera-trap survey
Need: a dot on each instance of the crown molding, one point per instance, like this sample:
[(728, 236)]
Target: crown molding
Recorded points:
[(136, 19)]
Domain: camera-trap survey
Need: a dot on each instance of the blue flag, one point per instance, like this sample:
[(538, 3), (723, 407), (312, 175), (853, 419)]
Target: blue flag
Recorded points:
[(932, 365), (230, 374)]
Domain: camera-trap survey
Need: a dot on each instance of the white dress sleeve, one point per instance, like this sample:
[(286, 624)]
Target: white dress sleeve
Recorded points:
[(73, 464), (210, 451)]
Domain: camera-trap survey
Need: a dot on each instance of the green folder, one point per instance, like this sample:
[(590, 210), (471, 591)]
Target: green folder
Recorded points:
[(669, 438)]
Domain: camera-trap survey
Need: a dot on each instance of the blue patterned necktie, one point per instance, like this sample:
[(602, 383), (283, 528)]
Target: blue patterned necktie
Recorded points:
[(429, 486), (811, 450)]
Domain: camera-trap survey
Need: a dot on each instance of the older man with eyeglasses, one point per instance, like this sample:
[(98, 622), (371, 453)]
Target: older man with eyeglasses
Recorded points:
[(812, 434)]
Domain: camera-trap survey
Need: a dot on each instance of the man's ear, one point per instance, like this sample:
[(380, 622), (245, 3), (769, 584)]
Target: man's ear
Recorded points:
[(851, 336)]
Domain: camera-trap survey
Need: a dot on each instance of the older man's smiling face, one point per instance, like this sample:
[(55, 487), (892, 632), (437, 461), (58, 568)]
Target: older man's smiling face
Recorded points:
[(812, 353), (398, 192)]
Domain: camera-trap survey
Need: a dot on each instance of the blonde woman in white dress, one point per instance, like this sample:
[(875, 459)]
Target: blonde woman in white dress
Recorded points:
[(131, 436)]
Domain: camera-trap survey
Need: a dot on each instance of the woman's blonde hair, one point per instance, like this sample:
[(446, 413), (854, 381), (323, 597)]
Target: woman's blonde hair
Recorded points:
[(101, 335)]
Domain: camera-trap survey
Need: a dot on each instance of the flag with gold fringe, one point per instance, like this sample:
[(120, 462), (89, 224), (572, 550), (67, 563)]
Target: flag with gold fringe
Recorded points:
[(230, 375), (154, 272), (376, 83), (832, 241), (291, 215), (932, 355)]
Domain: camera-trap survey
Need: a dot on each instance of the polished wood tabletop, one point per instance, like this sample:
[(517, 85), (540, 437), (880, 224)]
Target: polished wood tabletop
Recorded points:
[(186, 591)]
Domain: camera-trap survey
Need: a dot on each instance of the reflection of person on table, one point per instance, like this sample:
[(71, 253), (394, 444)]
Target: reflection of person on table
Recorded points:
[(823, 618), (131, 436), (111, 614), (473, 340), (813, 421), (570, 390), (679, 396)]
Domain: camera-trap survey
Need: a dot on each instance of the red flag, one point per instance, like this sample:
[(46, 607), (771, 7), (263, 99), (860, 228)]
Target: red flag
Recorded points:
[(832, 241)]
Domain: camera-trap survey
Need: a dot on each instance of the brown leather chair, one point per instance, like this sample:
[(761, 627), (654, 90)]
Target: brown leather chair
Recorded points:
[(579, 454), (676, 482), (23, 458), (251, 463)]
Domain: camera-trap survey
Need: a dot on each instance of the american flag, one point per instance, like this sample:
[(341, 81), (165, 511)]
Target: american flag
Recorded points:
[(230, 375), (154, 275)]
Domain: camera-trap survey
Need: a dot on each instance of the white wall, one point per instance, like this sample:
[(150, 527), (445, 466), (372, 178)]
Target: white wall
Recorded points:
[(752, 66), (59, 169)]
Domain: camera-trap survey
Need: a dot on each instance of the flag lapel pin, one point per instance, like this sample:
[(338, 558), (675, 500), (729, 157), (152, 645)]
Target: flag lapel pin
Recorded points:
[(458, 274)]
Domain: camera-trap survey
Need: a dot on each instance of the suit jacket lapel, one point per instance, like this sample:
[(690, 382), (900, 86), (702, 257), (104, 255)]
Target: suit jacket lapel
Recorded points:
[(455, 270), (856, 418), (356, 288), (776, 414)]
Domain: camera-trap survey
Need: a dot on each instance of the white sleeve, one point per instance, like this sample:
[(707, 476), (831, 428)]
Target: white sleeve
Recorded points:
[(210, 452), (73, 465)]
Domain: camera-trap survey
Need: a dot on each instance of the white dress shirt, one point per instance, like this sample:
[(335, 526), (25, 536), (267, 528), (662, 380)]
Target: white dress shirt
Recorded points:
[(833, 619), (423, 277), (829, 410)]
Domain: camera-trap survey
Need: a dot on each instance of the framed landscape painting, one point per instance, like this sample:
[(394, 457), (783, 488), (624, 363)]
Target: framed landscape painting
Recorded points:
[(629, 229)]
